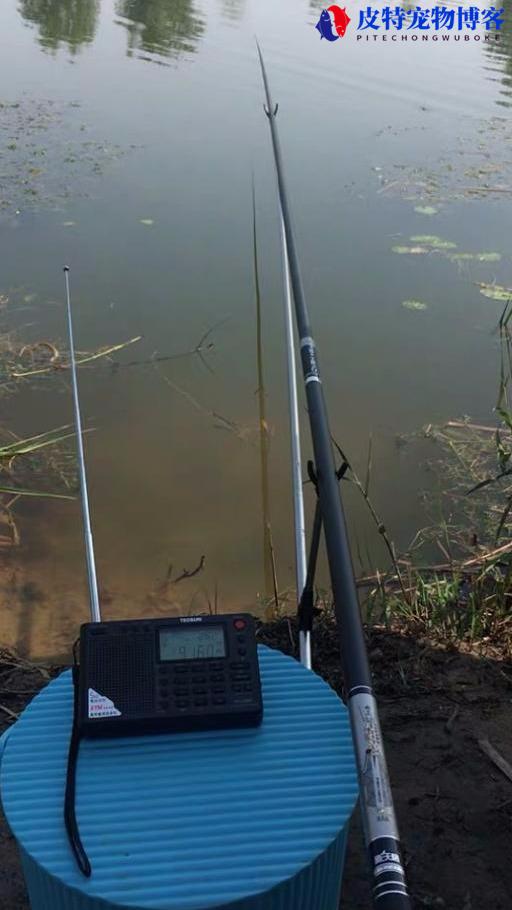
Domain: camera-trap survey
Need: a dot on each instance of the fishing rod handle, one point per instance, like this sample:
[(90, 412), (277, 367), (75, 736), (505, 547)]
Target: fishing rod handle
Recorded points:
[(376, 801), (389, 886)]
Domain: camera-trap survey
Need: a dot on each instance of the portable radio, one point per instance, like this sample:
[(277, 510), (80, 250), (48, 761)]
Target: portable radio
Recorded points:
[(166, 675)]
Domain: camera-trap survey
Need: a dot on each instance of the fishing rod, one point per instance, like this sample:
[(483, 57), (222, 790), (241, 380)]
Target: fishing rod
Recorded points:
[(379, 822), (298, 496)]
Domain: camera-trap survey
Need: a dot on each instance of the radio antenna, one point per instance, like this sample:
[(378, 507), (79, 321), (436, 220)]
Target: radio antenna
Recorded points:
[(94, 602)]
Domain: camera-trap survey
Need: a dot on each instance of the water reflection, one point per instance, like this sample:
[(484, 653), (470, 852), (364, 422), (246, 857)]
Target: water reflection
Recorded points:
[(165, 27), (71, 22), (502, 51), (232, 10)]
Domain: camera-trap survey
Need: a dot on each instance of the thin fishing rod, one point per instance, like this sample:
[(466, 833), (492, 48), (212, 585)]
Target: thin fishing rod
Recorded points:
[(296, 459), (263, 434), (89, 546), (380, 828)]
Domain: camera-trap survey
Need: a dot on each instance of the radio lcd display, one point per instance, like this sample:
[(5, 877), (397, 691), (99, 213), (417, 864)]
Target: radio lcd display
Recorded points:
[(185, 643)]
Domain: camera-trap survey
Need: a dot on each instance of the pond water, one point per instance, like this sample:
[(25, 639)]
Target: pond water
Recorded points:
[(130, 131)]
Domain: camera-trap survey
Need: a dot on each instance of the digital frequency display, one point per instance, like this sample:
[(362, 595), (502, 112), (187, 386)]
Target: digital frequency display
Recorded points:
[(192, 643)]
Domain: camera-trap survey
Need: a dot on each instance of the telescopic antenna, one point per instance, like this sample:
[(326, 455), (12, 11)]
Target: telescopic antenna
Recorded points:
[(380, 828), (89, 546)]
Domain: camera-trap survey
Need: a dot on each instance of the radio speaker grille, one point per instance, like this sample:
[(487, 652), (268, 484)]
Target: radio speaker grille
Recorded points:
[(120, 657)]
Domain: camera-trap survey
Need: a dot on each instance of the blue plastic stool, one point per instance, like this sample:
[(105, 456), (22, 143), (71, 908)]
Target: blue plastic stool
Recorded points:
[(250, 819)]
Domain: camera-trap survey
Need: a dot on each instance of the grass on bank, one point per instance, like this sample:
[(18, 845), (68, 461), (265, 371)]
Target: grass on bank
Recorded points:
[(464, 596), (454, 580)]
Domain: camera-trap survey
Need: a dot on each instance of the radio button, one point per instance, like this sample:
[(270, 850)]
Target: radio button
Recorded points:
[(242, 652)]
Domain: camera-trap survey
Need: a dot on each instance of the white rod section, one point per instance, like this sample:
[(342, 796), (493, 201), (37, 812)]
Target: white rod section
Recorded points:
[(298, 497)]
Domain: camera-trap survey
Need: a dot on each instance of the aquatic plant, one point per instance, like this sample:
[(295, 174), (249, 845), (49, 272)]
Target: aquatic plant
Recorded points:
[(468, 595)]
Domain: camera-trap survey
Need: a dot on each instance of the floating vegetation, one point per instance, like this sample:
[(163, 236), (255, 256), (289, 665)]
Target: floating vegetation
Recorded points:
[(488, 257), (431, 243), (432, 240), (447, 180), (460, 257), (414, 305), (437, 243), (410, 249), (10, 451), (147, 221), (46, 161), (35, 494), (478, 257), (426, 209), (495, 291), (30, 465), (27, 467)]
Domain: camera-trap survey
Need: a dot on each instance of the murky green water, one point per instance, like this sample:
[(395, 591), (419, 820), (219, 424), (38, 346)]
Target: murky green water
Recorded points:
[(138, 127)]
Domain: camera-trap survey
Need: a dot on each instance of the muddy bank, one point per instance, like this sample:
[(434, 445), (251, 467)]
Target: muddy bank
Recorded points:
[(454, 805)]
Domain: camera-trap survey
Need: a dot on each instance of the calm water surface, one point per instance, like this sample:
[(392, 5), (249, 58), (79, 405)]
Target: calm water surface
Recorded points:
[(134, 111)]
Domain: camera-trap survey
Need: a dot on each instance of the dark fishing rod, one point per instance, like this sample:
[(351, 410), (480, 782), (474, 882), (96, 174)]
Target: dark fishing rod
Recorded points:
[(380, 828)]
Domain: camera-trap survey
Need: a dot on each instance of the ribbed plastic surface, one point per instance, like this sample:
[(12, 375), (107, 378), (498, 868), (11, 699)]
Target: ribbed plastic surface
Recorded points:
[(247, 819)]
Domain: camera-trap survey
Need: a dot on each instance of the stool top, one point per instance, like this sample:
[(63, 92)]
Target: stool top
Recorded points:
[(186, 821)]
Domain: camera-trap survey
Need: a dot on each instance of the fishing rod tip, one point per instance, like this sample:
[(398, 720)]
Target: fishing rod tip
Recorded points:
[(66, 268)]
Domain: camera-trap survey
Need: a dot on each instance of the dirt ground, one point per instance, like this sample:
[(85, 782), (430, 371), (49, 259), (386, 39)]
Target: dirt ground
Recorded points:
[(454, 805)]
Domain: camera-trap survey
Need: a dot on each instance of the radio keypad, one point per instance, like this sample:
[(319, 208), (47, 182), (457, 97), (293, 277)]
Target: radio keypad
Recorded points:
[(184, 687), (211, 683)]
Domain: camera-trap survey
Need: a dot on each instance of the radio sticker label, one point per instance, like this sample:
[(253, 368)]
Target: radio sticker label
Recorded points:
[(101, 706)]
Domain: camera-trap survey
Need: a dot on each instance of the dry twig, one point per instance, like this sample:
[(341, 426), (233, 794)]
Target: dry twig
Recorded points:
[(496, 757)]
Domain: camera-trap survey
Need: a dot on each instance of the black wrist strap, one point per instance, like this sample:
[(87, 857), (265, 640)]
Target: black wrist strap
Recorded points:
[(70, 796)]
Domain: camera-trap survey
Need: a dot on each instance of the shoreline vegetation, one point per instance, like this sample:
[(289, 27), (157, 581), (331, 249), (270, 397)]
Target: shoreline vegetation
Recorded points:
[(454, 580)]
